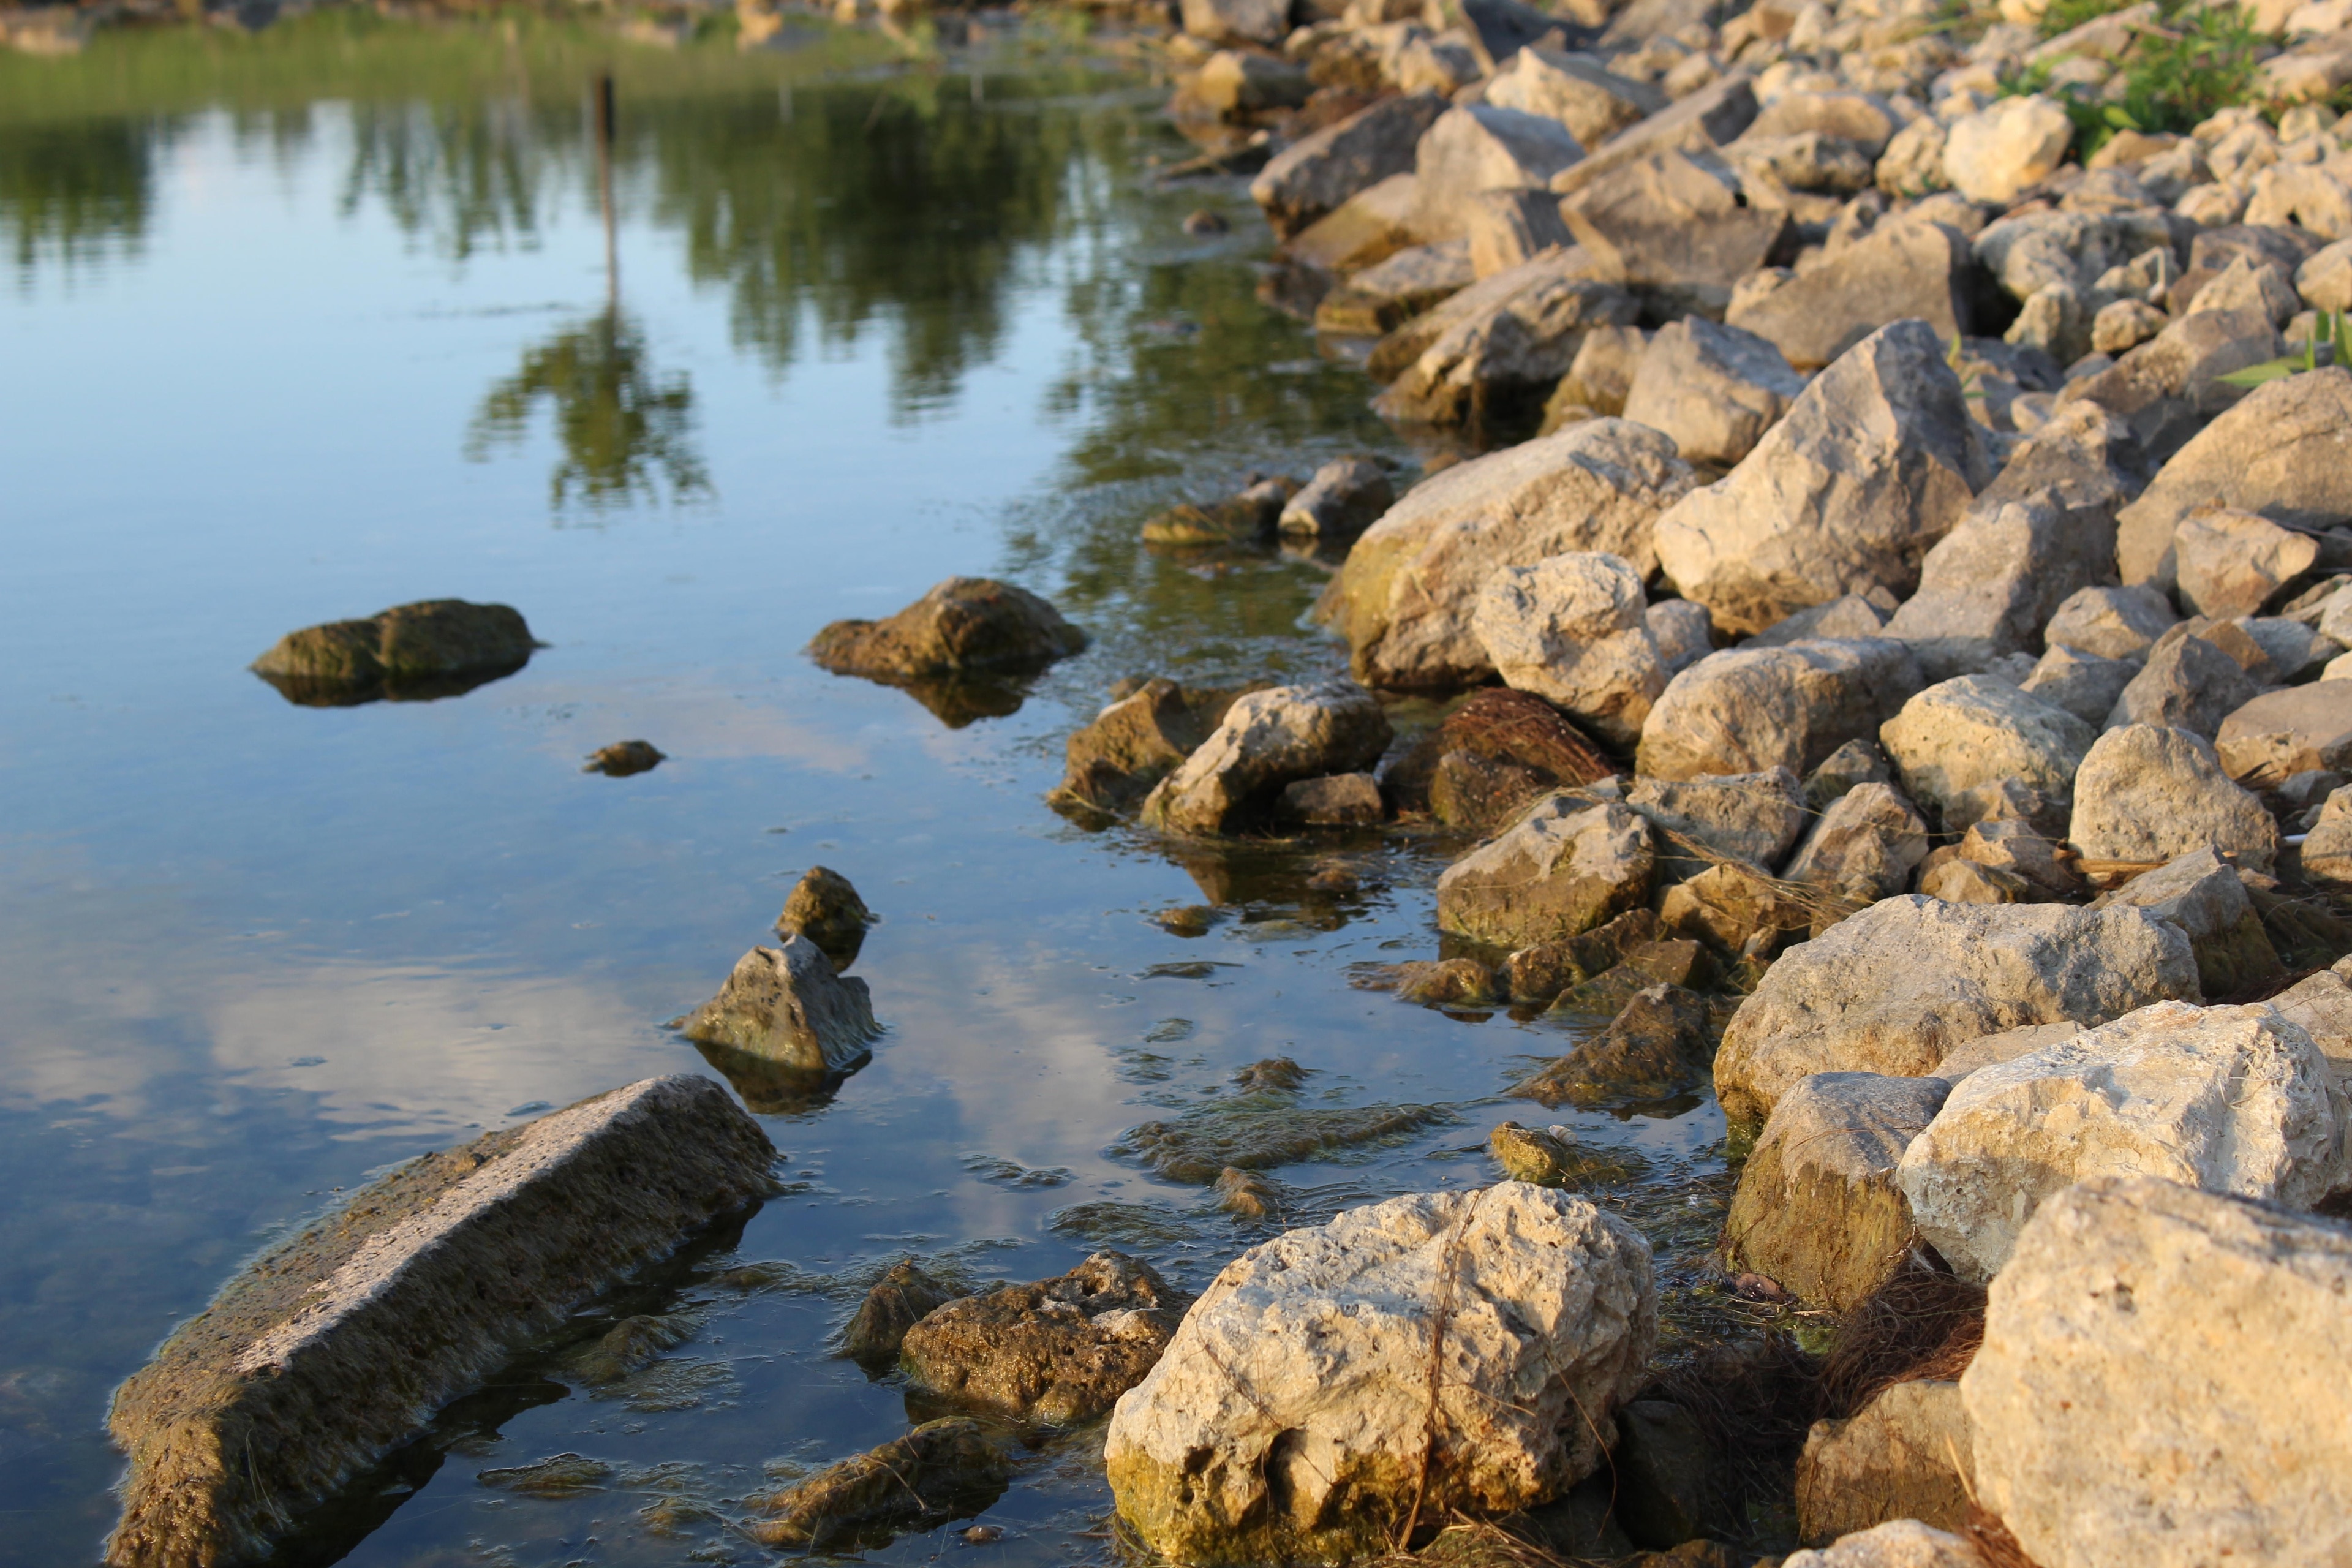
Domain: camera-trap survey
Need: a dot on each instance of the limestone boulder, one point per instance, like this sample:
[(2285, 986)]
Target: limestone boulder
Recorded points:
[(1848, 615), (1874, 463), (1996, 153), (1683, 632), (1563, 867), (2307, 195), (1406, 597), (2204, 895), (1603, 371), (2260, 288), (2229, 563), (1571, 629), (1865, 846), (1674, 223), (1974, 729), (1715, 389), (1753, 819), (964, 626), (1487, 147), (1346, 497), (1268, 739), (1817, 1208), (2320, 1004), (1332, 800), (1704, 120), (1903, 1544), (2225, 1100), (2270, 739), (1746, 709), (1899, 271), (1316, 174), (1056, 1351), (2328, 849), (2114, 623), (2083, 684), (2189, 682), (1580, 92), (2144, 796), (1903, 1456), (1486, 299), (1896, 988), (2116, 1421), (1295, 1417), (1390, 292), (788, 1006), (1508, 354)]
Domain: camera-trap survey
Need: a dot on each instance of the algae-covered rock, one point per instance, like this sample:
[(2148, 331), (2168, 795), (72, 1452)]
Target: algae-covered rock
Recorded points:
[(436, 648), (1541, 972), (898, 1300), (336, 1346), (1262, 1128), (823, 907), (940, 1470), (1057, 1350), (1656, 1047), (1551, 1157), (623, 758), (790, 1005), (963, 624)]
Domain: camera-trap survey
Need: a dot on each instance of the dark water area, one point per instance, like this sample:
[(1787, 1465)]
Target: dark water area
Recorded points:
[(300, 326)]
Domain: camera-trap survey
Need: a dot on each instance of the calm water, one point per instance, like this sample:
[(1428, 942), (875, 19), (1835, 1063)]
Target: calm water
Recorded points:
[(297, 327)]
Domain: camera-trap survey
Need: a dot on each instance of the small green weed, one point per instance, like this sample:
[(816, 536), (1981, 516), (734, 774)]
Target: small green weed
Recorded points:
[(2197, 59), (2327, 333)]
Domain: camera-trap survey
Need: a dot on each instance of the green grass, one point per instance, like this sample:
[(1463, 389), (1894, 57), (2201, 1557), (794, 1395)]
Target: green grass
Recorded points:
[(2203, 61)]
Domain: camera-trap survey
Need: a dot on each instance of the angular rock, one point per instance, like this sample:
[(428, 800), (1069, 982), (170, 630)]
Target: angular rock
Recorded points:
[(2227, 1099), (1709, 119), (1848, 615), (1056, 1351), (1603, 372), (2270, 739), (1235, 84), (965, 624), (1817, 1209), (1562, 869), (1539, 1159), (1658, 1048), (940, 1470), (1873, 463), (1715, 389), (1346, 497), (1683, 631), (2108, 1434), (334, 1347), (1135, 742), (1497, 753), (823, 907), (1900, 271), (1571, 629), (1247, 517), (1509, 355), (2189, 683), (2229, 563), (2259, 288), (1994, 154), (2325, 281), (1735, 911), (1752, 819), (1866, 845), (1405, 596), (2083, 684), (2122, 325), (2170, 387), (1675, 223), (1487, 147), (1268, 739), (2113, 623), (1292, 1417), (1853, 764), (2020, 848), (1903, 1456), (1316, 174), (1897, 988), (1545, 277), (2326, 857), (1335, 800), (1578, 90), (435, 648), (1455, 982), (898, 1300), (2202, 894), (1976, 729), (1363, 231), (1903, 1544), (1385, 296), (2144, 796), (1748, 710), (2321, 1006), (1961, 881), (790, 1007), (1542, 972)]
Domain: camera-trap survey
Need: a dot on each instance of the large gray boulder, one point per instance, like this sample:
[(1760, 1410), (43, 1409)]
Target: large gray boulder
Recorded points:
[(1753, 819), (1715, 389), (1974, 729), (1563, 867), (1315, 175), (1594, 101), (1873, 464), (1897, 988), (2144, 796), (1573, 629), (1295, 1417), (2121, 1419), (2227, 1099), (1743, 711), (1676, 224), (1406, 597), (2280, 451), (1899, 271), (1509, 354), (1485, 147), (1268, 739)]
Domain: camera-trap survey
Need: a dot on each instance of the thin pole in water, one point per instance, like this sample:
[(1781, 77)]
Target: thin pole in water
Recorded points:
[(604, 186)]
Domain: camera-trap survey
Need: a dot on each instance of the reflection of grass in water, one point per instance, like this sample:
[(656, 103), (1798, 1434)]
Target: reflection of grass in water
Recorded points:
[(625, 430)]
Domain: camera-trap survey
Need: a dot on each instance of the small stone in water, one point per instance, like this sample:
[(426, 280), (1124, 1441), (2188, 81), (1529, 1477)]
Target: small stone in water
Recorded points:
[(1187, 919), (982, 1535), (622, 758), (1757, 1288), (1201, 222)]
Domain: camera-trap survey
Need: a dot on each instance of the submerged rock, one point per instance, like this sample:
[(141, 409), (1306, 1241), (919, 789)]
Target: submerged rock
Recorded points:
[(790, 1005), (940, 1470), (899, 1299), (1058, 1350), (623, 759), (1262, 1128), (1657, 1046), (965, 625), (334, 1347), (1267, 740), (825, 907), (435, 648), (1296, 1418)]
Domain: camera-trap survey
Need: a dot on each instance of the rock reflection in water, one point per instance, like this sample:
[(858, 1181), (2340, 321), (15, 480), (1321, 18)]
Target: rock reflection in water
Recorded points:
[(769, 1088), (318, 691)]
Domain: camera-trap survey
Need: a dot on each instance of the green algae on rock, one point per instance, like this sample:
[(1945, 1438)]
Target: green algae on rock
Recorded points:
[(823, 907), (899, 1299), (940, 1470), (1262, 1128), (332, 1349), (964, 625), (435, 648)]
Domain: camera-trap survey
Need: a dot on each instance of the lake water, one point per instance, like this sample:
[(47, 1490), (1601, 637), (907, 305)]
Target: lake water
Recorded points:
[(300, 326)]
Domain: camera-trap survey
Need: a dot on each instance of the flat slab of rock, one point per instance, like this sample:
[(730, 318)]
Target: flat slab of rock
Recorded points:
[(2229, 1100), (1748, 710), (1314, 175), (435, 648), (1300, 1414), (1906, 1455), (962, 625), (1267, 740), (1056, 1351), (1897, 988), (2116, 1421), (940, 1470), (789, 1005), (334, 1347), (1564, 868)]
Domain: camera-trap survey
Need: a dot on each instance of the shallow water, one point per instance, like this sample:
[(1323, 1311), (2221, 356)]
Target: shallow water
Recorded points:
[(300, 326)]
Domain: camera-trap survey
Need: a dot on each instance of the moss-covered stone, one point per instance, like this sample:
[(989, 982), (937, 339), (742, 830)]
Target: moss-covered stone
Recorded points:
[(940, 1470)]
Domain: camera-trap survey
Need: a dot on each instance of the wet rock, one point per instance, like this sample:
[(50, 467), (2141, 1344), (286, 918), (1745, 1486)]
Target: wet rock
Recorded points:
[(1564, 868), (2083, 684), (1853, 764), (825, 907), (623, 758), (965, 624), (1292, 1417), (1346, 497), (1968, 732), (1057, 1351), (1271, 1073), (1504, 355), (1874, 461), (1897, 988), (1541, 972), (1260, 1129), (1674, 961), (2168, 388), (1267, 740), (2276, 452), (1202, 222), (2230, 1099), (1571, 629), (2144, 796), (1454, 981), (1996, 153), (1501, 750), (1658, 1046), (1748, 710), (559, 1475), (1336, 800), (788, 1004), (2114, 623), (1236, 84), (2270, 739), (1248, 518), (338, 1344), (1903, 1544), (1405, 596), (1136, 742), (1674, 224), (900, 1299), (1753, 819), (940, 1470), (1715, 389), (1906, 1455), (2189, 683), (2108, 1434), (1900, 271), (1246, 1194), (435, 648), (1865, 846), (1382, 297), (1817, 1208), (2203, 895), (1578, 90), (1543, 1159)]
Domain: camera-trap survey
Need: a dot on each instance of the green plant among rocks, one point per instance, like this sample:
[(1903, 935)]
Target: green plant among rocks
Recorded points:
[(2325, 346), (2191, 61)]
